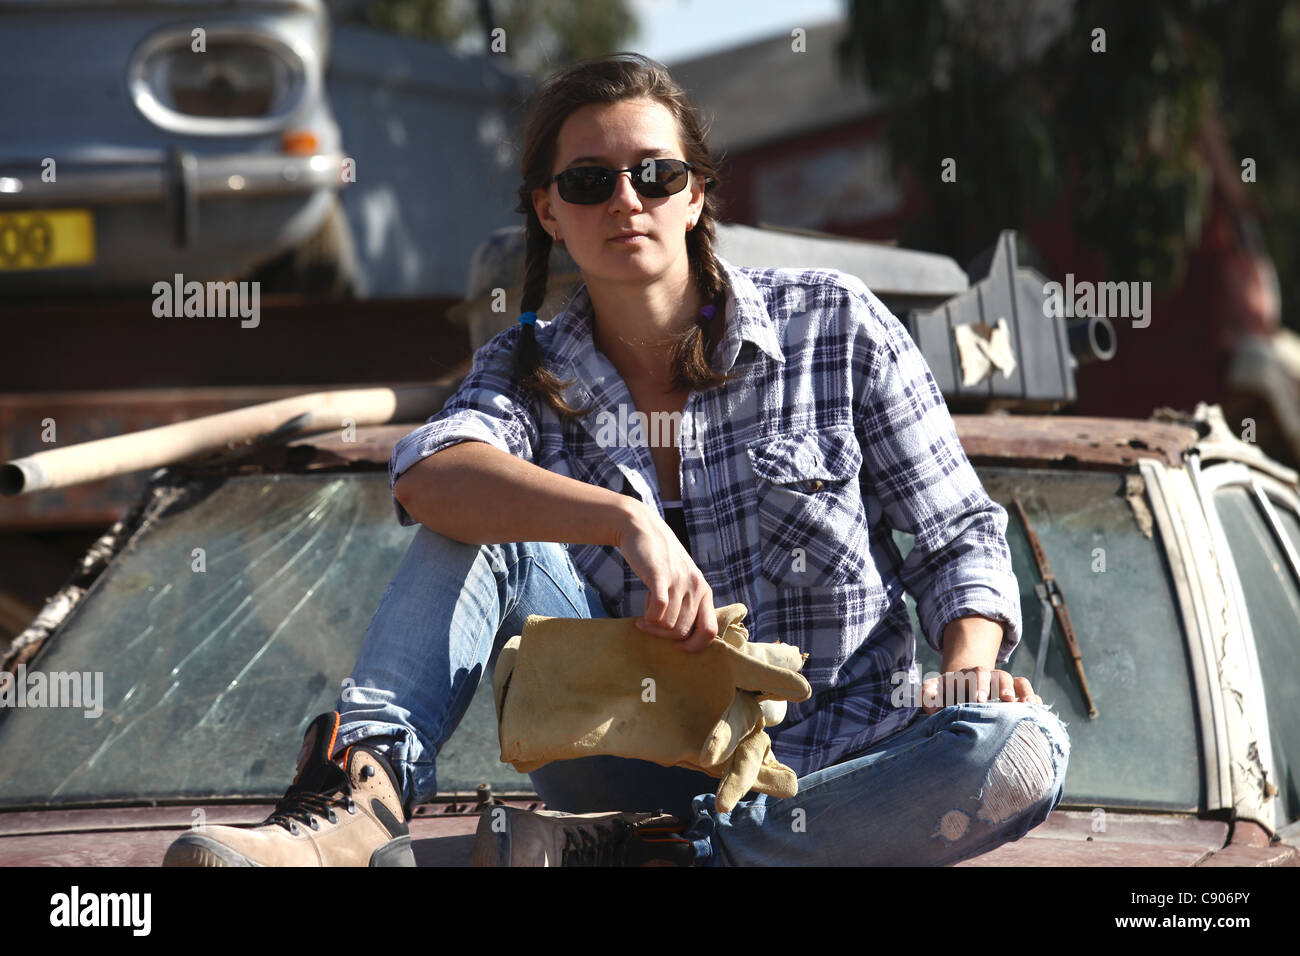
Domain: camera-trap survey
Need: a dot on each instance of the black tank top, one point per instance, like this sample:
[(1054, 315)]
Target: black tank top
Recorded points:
[(673, 515), (676, 519)]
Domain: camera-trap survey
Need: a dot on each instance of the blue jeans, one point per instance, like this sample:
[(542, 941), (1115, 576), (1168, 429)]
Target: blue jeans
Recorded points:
[(947, 787)]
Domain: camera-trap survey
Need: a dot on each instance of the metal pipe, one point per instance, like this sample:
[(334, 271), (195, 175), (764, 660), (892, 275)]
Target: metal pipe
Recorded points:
[(156, 447), (1091, 339)]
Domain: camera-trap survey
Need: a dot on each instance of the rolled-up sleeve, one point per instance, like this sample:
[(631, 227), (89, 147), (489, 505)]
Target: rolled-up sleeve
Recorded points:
[(488, 407), (960, 564)]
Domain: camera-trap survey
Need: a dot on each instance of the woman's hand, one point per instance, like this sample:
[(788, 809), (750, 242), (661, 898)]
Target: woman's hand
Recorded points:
[(680, 603), (975, 684), (967, 642)]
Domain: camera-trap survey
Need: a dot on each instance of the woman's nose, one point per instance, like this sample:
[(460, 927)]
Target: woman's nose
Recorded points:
[(625, 194)]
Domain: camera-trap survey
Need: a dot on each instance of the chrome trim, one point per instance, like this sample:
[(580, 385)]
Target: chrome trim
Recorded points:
[(215, 176), (1263, 486), (1218, 476), (299, 55), (1169, 491)]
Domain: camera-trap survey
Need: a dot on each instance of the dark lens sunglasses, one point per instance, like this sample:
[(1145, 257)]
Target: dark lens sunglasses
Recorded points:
[(587, 185)]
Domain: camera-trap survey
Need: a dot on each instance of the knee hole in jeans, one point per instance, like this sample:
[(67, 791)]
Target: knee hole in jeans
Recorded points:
[(1023, 774)]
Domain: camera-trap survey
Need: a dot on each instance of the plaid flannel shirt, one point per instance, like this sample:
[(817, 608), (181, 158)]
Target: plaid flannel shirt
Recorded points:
[(791, 477)]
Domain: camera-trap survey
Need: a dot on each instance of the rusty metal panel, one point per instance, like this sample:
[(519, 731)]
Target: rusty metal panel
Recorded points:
[(1279, 855), (1251, 846), (1050, 851), (1134, 826), (1067, 838), (1061, 439)]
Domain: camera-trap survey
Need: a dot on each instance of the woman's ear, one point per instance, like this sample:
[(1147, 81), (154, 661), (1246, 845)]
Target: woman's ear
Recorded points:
[(696, 208), (542, 206)]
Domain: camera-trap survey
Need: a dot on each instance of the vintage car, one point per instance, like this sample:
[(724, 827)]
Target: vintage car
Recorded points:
[(162, 138), (1158, 561)]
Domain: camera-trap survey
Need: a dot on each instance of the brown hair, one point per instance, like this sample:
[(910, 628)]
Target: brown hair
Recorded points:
[(609, 79)]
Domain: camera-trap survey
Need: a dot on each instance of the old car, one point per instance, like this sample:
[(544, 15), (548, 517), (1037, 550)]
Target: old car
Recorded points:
[(1157, 560), (204, 147)]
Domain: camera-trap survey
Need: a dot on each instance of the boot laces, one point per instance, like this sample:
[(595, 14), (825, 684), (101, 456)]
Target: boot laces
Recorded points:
[(303, 805), (606, 847)]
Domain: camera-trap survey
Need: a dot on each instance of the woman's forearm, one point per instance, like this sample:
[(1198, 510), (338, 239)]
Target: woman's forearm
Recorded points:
[(971, 642), (478, 494)]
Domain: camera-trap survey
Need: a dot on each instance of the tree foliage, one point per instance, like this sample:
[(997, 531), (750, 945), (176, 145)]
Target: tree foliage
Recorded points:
[(539, 34), (1022, 95)]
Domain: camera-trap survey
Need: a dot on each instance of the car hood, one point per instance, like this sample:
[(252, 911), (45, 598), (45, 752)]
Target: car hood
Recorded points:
[(443, 835)]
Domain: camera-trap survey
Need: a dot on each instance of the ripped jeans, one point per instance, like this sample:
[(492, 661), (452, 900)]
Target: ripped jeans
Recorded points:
[(949, 786)]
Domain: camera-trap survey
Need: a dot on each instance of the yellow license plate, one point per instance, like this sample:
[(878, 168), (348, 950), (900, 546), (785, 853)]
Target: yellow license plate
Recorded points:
[(46, 239)]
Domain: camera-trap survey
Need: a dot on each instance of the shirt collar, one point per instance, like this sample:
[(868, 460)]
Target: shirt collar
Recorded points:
[(747, 320)]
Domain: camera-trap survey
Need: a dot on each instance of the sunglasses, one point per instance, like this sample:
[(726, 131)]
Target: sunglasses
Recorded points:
[(588, 185)]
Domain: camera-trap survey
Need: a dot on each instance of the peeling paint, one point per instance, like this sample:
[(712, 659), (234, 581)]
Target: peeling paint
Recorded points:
[(1135, 490), (1248, 780)]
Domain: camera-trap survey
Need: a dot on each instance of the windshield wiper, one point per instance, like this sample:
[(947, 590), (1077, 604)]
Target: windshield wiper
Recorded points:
[(1052, 591)]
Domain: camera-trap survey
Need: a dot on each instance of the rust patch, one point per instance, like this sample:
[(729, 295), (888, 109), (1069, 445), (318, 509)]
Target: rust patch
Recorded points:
[(1065, 439)]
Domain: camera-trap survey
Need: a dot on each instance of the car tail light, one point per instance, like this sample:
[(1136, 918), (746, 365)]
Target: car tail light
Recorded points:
[(300, 142)]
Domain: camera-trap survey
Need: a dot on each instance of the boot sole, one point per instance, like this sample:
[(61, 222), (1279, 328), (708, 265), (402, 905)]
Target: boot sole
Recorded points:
[(194, 849)]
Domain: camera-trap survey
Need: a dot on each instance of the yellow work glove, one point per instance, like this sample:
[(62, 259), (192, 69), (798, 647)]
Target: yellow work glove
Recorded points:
[(577, 687)]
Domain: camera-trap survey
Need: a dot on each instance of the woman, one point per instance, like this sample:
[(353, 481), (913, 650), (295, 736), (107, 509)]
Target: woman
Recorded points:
[(810, 425)]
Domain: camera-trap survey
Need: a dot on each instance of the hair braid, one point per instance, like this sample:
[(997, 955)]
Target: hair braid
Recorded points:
[(529, 369), (692, 356)]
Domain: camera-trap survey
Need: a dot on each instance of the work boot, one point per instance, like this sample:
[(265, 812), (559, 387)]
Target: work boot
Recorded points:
[(332, 815), (508, 836)]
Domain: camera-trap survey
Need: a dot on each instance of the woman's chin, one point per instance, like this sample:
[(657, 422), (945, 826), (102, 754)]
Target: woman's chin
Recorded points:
[(630, 263)]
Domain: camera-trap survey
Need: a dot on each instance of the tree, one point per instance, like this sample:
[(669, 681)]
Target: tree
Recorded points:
[(539, 35), (1101, 102)]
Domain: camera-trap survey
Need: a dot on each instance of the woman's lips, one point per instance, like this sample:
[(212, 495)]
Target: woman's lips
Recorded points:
[(629, 239)]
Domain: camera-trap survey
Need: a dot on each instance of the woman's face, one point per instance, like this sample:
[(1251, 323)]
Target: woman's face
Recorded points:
[(617, 136)]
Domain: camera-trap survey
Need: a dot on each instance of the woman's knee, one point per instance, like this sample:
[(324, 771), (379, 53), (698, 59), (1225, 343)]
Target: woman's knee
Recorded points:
[(1028, 772), (500, 556), (1023, 751)]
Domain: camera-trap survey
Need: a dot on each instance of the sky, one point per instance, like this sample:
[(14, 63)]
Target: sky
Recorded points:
[(673, 30)]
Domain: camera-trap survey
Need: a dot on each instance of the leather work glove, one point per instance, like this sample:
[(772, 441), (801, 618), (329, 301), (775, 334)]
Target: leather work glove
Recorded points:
[(577, 687)]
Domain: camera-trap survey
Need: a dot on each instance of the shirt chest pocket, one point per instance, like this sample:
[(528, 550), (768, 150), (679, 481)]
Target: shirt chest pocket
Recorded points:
[(811, 521)]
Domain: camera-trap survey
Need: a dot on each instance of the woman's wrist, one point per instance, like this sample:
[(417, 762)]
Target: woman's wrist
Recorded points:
[(626, 515), (971, 641)]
